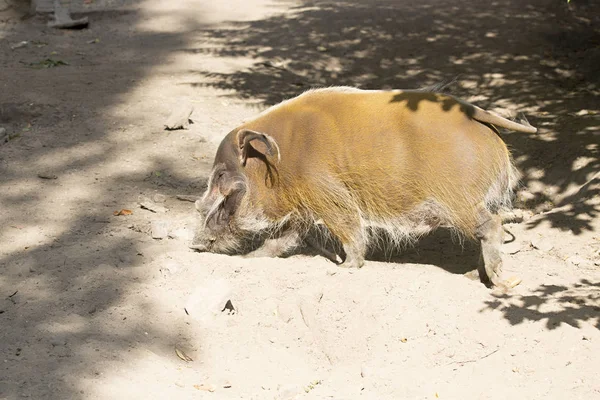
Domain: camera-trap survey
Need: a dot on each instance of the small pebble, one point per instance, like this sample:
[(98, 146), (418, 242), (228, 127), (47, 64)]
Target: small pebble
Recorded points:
[(364, 371), (58, 340), (180, 117), (579, 261), (209, 299), (152, 206), (512, 282), (541, 244), (159, 198), (160, 229), (169, 268), (206, 387)]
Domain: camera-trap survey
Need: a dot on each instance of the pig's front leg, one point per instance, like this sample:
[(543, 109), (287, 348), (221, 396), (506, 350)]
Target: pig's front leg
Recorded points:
[(279, 246)]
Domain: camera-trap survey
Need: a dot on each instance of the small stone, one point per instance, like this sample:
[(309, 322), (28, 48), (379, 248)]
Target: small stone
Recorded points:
[(58, 340), (160, 229), (62, 18), (148, 204), (541, 244), (169, 268), (512, 282), (159, 198), (180, 117), (579, 261), (364, 371), (3, 135), (208, 300), (208, 387), (19, 45), (332, 271)]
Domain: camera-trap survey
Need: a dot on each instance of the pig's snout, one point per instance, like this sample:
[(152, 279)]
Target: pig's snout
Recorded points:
[(199, 246), (202, 242)]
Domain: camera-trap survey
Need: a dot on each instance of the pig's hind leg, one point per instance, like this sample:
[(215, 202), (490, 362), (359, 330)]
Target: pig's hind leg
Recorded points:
[(491, 235)]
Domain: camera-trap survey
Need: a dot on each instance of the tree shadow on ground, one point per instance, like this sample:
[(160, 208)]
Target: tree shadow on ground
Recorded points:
[(62, 295), (539, 57), (59, 288), (556, 304)]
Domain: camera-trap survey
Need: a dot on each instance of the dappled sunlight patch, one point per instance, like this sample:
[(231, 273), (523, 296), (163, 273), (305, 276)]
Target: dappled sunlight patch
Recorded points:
[(437, 37), (582, 162), (175, 18), (594, 129), (162, 376), (24, 239), (71, 324)]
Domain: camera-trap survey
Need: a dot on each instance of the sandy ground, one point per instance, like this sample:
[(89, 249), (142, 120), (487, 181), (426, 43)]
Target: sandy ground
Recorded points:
[(92, 307)]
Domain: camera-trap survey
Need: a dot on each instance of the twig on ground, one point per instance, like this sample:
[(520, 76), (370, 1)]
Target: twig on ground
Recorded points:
[(470, 361)]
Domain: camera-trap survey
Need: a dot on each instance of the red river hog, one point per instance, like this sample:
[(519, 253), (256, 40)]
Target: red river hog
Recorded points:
[(360, 164)]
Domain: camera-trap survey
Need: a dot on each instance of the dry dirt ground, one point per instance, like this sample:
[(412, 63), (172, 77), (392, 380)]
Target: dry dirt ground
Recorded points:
[(92, 307)]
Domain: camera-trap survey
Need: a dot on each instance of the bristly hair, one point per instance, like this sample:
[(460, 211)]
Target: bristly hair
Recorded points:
[(441, 86)]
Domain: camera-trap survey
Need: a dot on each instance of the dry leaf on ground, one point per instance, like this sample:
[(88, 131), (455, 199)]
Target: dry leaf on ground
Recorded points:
[(123, 212)]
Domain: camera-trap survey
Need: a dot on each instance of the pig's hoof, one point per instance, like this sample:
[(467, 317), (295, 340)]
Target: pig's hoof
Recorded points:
[(505, 285), (473, 275), (502, 285)]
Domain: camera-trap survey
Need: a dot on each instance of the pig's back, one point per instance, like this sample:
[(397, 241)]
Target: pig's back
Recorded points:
[(391, 150)]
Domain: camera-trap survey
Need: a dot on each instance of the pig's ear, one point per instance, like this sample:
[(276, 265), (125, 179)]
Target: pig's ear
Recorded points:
[(246, 136)]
